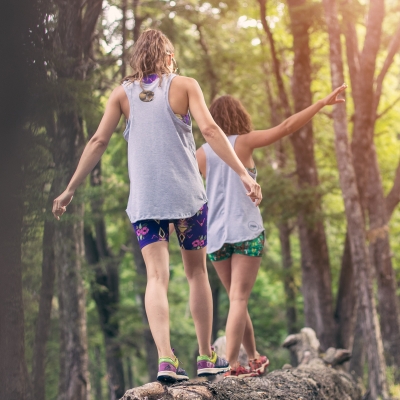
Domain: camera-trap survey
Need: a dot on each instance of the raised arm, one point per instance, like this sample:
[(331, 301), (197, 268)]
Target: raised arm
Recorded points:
[(265, 137), (93, 150), (217, 139)]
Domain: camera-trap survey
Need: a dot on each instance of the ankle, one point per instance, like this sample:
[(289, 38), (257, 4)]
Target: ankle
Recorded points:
[(207, 353), (170, 355), (253, 356)]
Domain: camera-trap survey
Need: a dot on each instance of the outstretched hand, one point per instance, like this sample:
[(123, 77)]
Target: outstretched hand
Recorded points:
[(333, 97), (61, 202), (253, 189)]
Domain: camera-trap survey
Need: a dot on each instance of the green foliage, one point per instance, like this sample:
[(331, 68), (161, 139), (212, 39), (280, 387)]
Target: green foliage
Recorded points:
[(239, 56)]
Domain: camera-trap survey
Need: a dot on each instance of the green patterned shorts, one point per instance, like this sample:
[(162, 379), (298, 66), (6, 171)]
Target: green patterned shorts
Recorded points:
[(252, 248)]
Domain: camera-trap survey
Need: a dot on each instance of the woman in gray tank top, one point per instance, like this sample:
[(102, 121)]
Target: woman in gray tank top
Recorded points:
[(235, 230), (165, 186)]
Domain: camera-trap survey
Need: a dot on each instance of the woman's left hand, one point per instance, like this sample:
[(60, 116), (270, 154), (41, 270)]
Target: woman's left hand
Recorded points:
[(61, 202)]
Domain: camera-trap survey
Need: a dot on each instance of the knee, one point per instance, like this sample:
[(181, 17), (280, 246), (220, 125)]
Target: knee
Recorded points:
[(193, 274), (238, 298), (158, 278)]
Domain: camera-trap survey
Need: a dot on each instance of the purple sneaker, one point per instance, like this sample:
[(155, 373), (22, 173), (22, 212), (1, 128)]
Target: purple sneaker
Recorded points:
[(211, 365), (170, 371)]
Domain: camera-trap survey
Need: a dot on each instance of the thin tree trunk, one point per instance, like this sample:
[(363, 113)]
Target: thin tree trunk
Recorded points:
[(283, 227), (151, 349), (355, 220), (357, 361), (46, 298), (97, 374), (317, 291), (74, 377), (210, 70), (105, 290), (129, 372), (215, 284), (124, 37), (345, 314)]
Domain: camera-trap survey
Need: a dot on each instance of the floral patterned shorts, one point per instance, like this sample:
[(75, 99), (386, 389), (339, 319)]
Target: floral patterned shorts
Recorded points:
[(191, 232), (252, 248)]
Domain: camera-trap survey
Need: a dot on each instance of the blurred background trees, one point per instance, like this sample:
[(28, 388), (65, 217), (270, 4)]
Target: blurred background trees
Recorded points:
[(327, 265)]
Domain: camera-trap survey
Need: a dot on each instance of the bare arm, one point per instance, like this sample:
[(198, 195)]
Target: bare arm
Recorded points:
[(263, 138), (92, 152), (218, 141)]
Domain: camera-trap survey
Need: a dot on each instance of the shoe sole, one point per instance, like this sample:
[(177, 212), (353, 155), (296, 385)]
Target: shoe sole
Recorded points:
[(171, 377), (212, 371), (263, 367)]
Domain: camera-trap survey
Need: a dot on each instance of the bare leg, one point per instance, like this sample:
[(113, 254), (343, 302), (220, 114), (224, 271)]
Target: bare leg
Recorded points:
[(200, 300), (238, 275), (156, 257)]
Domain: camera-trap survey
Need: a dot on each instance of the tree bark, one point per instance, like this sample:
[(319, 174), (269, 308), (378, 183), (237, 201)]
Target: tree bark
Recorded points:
[(45, 302), (317, 291), (105, 292), (124, 37), (73, 40), (355, 220), (366, 101), (345, 314)]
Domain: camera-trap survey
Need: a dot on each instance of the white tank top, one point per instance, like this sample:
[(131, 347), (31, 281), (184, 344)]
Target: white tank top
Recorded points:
[(232, 216), (165, 181)]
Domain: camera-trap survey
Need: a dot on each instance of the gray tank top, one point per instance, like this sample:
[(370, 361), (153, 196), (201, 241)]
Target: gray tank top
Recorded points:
[(165, 182), (232, 216)]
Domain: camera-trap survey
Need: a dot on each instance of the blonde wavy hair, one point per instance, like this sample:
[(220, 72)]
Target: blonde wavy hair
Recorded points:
[(149, 56), (231, 116)]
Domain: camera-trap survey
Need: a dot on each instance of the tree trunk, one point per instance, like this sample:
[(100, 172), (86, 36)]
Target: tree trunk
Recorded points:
[(74, 377), (317, 291), (366, 101), (355, 220), (129, 372), (105, 290), (13, 371), (124, 37), (73, 40), (45, 302), (215, 284), (151, 349), (357, 362), (345, 314), (381, 257)]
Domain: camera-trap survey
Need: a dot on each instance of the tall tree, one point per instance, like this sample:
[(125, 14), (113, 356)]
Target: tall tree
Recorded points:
[(76, 21), (316, 279), (22, 69), (367, 92), (355, 220)]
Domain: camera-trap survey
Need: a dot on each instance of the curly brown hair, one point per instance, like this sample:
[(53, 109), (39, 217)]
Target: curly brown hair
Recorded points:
[(149, 55), (231, 116)]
